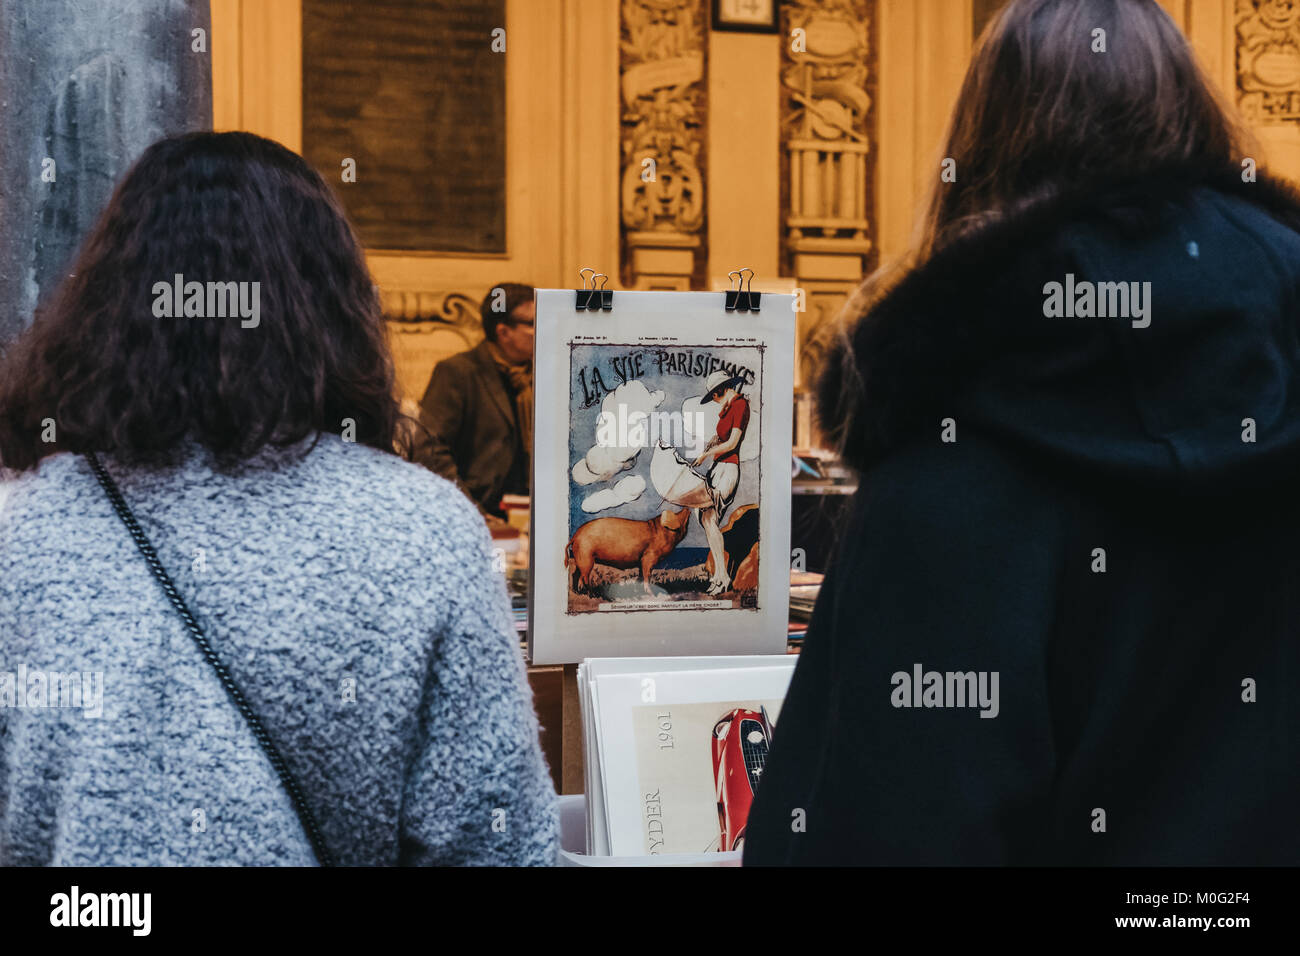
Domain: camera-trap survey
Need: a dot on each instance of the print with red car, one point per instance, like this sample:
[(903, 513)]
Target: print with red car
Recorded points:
[(741, 740)]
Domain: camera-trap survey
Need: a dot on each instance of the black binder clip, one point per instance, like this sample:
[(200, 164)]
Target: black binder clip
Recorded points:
[(742, 298), (591, 298)]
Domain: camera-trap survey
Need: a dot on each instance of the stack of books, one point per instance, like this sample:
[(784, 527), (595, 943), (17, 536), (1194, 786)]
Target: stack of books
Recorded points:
[(675, 750), (804, 588)]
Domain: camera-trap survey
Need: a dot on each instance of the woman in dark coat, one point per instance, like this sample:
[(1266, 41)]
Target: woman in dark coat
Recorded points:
[(1062, 625)]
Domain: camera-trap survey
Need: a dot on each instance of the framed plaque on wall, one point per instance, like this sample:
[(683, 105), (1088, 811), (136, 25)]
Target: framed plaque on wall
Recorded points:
[(404, 111), (745, 16)]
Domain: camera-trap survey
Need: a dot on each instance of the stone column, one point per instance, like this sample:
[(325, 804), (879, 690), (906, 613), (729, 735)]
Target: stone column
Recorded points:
[(826, 76), (85, 86), (662, 190)]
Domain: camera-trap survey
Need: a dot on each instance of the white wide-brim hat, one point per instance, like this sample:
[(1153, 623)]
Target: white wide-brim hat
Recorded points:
[(719, 381)]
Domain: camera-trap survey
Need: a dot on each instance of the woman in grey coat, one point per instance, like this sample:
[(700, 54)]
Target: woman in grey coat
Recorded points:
[(218, 352)]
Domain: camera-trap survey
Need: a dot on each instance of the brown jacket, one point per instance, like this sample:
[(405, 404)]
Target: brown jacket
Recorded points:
[(474, 436)]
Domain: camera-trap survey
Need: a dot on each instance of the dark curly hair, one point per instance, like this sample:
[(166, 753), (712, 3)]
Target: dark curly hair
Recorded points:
[(115, 378)]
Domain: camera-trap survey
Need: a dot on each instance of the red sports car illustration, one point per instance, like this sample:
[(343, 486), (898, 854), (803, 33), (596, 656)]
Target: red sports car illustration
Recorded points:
[(741, 740)]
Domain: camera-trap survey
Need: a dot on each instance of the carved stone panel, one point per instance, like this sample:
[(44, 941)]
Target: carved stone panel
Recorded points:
[(1268, 61), (827, 127), (825, 119), (662, 59), (424, 328)]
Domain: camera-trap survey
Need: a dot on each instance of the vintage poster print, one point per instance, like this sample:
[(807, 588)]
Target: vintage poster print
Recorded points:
[(666, 476), (661, 477), (699, 766), (635, 691), (682, 754)]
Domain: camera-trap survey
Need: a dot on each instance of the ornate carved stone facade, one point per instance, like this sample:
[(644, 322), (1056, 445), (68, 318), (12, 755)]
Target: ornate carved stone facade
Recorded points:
[(425, 328), (827, 80), (662, 46), (1268, 60)]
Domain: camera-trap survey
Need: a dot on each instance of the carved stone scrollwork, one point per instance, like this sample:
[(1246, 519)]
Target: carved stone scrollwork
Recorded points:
[(1268, 60), (824, 122), (416, 309), (662, 187), (425, 328)]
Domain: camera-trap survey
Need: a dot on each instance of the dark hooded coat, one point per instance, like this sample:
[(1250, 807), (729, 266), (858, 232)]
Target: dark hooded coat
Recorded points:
[(1114, 531)]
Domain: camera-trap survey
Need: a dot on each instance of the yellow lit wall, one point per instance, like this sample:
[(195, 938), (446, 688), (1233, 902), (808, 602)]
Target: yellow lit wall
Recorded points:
[(564, 153)]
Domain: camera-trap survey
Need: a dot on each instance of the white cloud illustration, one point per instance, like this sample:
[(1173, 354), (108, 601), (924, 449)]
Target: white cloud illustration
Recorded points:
[(625, 490), (626, 404)]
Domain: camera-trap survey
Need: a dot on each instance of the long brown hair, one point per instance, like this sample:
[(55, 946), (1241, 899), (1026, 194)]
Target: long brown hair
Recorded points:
[(1043, 113), (109, 375), (1043, 110)]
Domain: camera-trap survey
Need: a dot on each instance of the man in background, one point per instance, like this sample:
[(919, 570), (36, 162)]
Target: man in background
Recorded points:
[(478, 407)]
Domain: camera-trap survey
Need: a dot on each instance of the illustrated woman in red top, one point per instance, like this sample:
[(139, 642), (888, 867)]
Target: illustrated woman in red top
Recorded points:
[(723, 451)]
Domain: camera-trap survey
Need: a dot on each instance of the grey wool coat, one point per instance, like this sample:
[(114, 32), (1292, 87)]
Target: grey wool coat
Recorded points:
[(353, 597)]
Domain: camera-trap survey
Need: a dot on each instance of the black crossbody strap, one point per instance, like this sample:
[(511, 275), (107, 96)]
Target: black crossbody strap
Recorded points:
[(309, 825)]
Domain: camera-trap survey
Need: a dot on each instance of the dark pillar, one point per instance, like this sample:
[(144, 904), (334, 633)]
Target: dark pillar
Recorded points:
[(88, 84)]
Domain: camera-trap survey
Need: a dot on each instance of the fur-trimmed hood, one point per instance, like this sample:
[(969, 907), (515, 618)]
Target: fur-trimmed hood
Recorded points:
[(1171, 401)]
